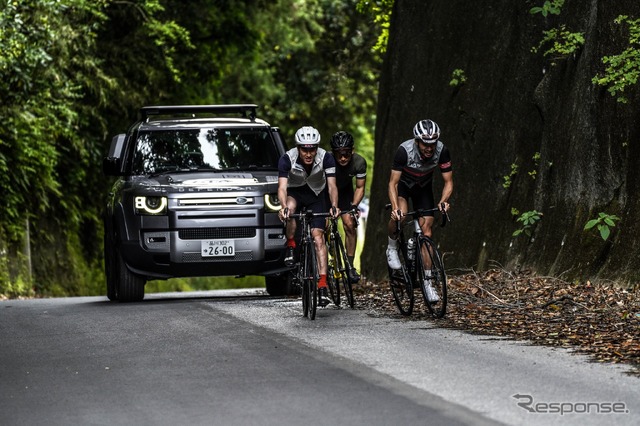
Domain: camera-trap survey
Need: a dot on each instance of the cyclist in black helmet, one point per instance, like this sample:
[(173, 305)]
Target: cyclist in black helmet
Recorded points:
[(412, 178), (349, 165)]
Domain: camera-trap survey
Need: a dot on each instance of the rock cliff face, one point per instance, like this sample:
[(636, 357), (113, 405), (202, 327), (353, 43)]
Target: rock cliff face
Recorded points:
[(577, 150)]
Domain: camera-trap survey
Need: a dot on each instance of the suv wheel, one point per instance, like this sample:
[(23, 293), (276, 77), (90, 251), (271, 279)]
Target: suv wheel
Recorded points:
[(129, 286), (281, 285), (109, 269)]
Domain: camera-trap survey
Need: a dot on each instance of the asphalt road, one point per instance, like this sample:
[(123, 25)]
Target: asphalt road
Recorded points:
[(241, 358)]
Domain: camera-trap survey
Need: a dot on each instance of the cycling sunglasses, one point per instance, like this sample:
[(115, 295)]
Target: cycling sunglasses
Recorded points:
[(346, 153)]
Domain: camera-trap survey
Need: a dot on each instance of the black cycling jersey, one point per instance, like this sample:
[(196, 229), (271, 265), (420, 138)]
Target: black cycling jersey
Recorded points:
[(418, 170), (417, 173), (357, 168)]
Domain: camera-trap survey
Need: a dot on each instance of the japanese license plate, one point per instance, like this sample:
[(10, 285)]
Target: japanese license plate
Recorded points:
[(218, 248)]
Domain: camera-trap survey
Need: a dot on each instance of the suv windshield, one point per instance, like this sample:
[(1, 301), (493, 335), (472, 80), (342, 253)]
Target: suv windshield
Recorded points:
[(159, 151)]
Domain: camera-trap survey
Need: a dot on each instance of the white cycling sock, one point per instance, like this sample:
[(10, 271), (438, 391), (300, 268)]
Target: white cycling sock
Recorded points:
[(393, 243)]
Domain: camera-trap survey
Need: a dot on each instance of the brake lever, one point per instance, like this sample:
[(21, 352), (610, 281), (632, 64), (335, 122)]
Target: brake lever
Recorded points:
[(445, 215)]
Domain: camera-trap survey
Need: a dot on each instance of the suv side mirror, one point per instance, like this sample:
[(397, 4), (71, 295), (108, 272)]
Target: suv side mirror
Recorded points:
[(112, 163)]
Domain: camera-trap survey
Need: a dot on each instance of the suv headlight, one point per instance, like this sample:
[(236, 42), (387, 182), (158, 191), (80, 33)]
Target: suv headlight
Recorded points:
[(271, 202), (150, 205)]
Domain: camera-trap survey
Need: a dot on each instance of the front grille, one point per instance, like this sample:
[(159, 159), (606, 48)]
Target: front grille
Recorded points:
[(240, 256), (216, 233), (217, 202)]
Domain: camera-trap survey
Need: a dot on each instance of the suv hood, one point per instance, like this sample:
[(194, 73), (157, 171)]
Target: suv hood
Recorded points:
[(208, 181)]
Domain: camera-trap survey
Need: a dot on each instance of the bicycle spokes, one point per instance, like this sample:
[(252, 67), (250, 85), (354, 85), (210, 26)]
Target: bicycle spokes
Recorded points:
[(344, 266), (433, 279), (402, 290)]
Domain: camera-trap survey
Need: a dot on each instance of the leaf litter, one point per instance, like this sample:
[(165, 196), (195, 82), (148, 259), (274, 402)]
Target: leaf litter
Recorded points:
[(601, 320)]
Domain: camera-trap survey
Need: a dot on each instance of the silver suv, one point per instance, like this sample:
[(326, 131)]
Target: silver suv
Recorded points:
[(196, 195)]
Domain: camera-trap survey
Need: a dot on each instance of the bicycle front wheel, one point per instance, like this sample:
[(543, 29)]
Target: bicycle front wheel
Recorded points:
[(302, 274), (402, 290), (433, 280), (311, 280)]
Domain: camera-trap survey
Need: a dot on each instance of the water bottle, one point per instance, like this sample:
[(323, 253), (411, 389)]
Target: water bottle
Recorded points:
[(411, 248)]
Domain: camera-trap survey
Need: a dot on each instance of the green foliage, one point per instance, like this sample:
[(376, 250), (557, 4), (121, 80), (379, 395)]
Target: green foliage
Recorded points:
[(38, 92), (458, 78), (563, 43), (166, 35), (528, 220), (603, 223), (549, 7), (381, 11), (622, 70), (75, 72), (57, 92), (515, 212), (536, 161), (314, 68), (509, 178), (15, 277)]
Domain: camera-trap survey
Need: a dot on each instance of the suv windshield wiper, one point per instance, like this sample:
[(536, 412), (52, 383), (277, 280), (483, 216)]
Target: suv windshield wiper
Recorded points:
[(184, 170), (251, 167)]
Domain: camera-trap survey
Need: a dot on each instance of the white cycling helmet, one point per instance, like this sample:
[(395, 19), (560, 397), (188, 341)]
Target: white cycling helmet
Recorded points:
[(307, 137), (426, 131)]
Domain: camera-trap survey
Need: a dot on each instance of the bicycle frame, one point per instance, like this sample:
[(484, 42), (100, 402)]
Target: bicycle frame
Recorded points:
[(338, 262), (424, 269), (306, 270)]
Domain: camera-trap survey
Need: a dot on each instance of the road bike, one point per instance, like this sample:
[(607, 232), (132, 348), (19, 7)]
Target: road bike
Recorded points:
[(305, 271), (421, 265), (338, 262)]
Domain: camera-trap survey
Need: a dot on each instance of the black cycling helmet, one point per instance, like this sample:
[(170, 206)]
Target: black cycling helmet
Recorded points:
[(426, 131), (341, 140)]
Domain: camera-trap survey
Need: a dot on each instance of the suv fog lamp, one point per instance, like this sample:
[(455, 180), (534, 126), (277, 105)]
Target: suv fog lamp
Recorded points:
[(151, 205)]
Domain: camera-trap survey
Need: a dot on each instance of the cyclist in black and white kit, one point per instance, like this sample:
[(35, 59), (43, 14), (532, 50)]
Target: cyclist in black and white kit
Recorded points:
[(306, 178), (349, 165), (412, 178)]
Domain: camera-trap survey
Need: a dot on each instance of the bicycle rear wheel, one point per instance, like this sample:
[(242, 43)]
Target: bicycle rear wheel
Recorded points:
[(433, 281), (402, 290), (343, 267)]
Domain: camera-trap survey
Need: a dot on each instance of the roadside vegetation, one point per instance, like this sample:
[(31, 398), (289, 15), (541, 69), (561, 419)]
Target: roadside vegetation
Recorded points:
[(75, 72)]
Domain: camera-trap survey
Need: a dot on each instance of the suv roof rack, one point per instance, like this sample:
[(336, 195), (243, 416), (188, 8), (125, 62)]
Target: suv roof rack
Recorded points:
[(242, 109)]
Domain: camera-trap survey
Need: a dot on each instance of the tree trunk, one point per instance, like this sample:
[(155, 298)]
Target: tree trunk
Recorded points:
[(575, 147)]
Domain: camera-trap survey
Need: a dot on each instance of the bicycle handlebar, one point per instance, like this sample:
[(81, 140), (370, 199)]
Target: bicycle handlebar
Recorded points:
[(308, 214), (354, 214), (420, 212)]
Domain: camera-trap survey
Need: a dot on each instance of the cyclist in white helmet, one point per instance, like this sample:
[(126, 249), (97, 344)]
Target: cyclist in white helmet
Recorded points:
[(307, 178), (412, 179)]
